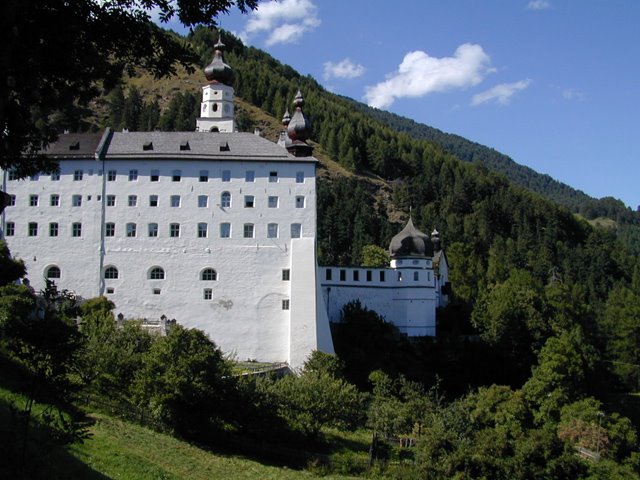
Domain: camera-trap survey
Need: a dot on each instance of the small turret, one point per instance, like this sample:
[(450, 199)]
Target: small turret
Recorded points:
[(284, 140), (410, 242), (299, 130)]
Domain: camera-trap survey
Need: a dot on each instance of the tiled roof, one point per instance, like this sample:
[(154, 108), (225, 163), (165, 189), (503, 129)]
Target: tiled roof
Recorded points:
[(197, 145), (170, 146), (74, 145)]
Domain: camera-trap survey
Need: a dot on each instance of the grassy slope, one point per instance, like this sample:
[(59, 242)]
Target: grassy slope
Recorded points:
[(122, 450), (118, 449)]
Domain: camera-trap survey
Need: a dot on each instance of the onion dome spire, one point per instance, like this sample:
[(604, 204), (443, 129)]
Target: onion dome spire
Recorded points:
[(410, 242), (435, 239), (218, 71), (299, 130), (286, 118)]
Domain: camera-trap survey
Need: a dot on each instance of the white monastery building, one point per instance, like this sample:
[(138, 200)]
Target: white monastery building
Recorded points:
[(214, 228)]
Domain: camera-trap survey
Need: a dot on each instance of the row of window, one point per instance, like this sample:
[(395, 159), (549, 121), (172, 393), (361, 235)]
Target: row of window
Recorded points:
[(131, 230), (154, 176), (174, 200), (369, 275), (155, 273)]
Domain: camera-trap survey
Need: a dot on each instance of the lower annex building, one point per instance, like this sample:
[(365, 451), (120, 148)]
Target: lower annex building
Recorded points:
[(214, 228)]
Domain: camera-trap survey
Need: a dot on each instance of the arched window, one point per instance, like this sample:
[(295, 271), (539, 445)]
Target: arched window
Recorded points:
[(208, 274), (225, 200), (52, 272), (110, 273), (156, 273)]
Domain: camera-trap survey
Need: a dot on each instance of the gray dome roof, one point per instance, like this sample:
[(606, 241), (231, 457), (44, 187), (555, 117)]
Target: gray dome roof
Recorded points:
[(410, 242), (218, 70)]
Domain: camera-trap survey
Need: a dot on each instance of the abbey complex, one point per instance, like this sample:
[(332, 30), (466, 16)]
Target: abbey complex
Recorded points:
[(214, 228)]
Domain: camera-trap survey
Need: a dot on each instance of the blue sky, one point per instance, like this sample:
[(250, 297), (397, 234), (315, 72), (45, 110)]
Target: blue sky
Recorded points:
[(553, 84)]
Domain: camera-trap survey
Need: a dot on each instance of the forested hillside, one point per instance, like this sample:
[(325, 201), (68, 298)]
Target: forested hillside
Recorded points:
[(537, 356)]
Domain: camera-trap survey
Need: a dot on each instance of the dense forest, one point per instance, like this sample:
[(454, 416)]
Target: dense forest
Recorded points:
[(537, 356)]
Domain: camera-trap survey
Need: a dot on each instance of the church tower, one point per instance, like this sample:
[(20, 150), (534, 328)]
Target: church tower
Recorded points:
[(216, 110)]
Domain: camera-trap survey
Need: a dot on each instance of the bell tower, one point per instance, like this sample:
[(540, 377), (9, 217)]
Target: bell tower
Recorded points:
[(216, 109)]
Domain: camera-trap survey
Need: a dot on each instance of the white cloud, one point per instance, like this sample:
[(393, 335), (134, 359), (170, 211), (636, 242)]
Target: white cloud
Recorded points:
[(419, 75), (285, 21), (343, 69), (539, 5), (571, 94), (500, 93)]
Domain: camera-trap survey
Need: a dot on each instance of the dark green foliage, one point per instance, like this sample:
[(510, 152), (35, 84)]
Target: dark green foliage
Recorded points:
[(315, 399), (184, 383), (10, 268), (365, 342)]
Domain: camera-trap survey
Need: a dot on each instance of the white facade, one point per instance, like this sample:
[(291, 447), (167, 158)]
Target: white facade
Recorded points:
[(200, 227), (216, 109), (405, 295)]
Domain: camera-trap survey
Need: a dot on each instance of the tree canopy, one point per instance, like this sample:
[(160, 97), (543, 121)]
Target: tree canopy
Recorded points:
[(55, 54)]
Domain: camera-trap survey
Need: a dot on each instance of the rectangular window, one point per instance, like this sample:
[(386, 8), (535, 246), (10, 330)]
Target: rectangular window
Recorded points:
[(54, 200), (76, 229), (369, 275), (110, 229), (111, 176), (248, 201), (356, 276), (155, 176), (111, 200), (153, 229), (226, 175), (55, 176), (285, 304), (156, 291), (33, 229), (416, 276), (10, 230), (382, 275), (12, 175), (343, 275), (203, 201), (300, 201), (133, 175), (250, 176), (273, 202), (286, 274), (272, 230), (204, 175), (77, 175), (328, 274), (53, 229), (110, 290), (225, 230), (248, 230), (202, 230), (153, 200), (174, 230), (33, 200), (175, 200), (299, 177), (132, 201), (76, 201), (12, 201), (207, 294), (296, 230), (177, 176), (131, 229), (273, 177)]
